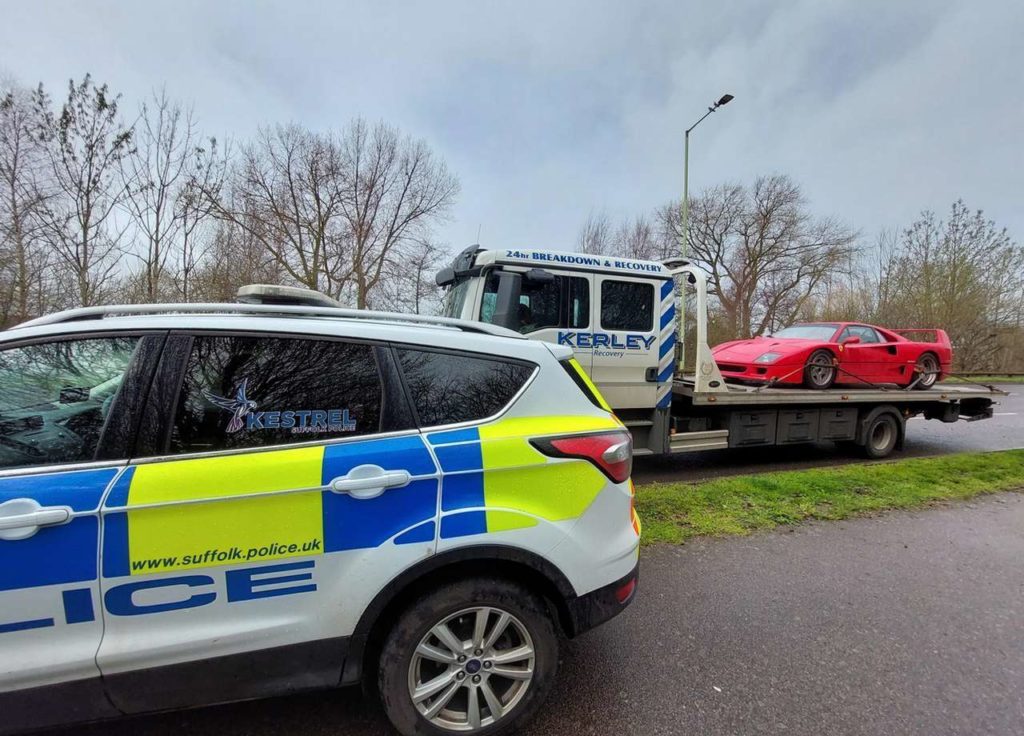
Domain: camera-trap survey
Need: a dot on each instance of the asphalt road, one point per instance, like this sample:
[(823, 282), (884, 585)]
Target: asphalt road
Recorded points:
[(1004, 431), (908, 623)]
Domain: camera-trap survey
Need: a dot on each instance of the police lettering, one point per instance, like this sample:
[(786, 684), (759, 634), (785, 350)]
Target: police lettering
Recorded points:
[(181, 592)]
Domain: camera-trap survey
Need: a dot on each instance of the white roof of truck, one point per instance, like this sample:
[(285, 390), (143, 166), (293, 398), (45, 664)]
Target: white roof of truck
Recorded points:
[(571, 260)]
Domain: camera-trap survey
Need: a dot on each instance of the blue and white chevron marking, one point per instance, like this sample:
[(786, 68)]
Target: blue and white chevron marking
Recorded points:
[(666, 344)]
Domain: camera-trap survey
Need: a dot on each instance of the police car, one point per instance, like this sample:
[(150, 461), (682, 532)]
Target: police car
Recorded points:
[(206, 503)]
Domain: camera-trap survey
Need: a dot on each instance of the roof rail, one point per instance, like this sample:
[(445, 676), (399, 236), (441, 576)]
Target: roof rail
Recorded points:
[(271, 310)]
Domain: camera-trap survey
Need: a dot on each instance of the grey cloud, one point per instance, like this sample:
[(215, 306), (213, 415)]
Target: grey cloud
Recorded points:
[(548, 110)]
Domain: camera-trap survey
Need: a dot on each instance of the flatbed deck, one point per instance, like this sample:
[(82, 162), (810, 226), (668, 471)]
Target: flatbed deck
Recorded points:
[(745, 395)]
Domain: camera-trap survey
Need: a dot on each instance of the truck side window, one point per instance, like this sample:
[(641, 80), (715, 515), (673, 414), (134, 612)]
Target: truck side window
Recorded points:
[(564, 303), (257, 391), (55, 398), (447, 388), (627, 305)]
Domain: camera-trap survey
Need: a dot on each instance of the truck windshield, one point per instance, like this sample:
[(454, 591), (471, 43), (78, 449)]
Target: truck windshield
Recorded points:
[(808, 332), (454, 299)]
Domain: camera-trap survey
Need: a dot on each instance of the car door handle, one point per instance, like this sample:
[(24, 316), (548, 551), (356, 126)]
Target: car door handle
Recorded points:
[(369, 481), (20, 518)]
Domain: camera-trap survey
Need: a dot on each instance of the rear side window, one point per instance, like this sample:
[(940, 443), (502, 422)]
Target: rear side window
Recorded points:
[(447, 388), (55, 398), (563, 302), (627, 305), (242, 392)]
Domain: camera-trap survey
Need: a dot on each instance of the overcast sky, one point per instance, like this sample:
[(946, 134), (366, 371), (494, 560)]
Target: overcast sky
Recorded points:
[(550, 110)]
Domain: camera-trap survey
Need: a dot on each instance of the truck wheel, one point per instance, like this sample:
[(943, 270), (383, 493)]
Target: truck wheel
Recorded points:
[(928, 369), (881, 436), (820, 370), (475, 656)]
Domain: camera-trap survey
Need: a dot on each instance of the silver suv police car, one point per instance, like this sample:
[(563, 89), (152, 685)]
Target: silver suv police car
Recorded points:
[(205, 503)]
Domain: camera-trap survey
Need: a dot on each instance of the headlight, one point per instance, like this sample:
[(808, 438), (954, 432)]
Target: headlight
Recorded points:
[(768, 358)]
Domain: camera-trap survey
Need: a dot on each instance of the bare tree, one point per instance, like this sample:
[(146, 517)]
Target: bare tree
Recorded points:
[(964, 274), (287, 193), (22, 252), (236, 256), (85, 145), (640, 239), (595, 235), (194, 208), (637, 238), (394, 191), (407, 284), (161, 174), (766, 254)]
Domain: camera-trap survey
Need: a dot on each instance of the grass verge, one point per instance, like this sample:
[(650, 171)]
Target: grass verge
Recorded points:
[(674, 512), (985, 379)]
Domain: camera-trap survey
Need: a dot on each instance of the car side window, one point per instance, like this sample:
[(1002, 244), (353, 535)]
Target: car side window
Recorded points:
[(563, 302), (241, 391), (627, 305), (866, 334), (55, 398), (448, 388)]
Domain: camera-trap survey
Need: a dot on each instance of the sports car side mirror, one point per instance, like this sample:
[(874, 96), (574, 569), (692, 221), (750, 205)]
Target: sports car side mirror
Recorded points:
[(851, 340)]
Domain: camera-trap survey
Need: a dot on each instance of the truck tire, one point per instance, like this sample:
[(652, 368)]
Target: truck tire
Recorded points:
[(881, 435), (474, 656)]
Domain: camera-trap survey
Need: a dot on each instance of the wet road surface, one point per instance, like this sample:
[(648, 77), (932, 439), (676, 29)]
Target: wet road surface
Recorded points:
[(908, 623)]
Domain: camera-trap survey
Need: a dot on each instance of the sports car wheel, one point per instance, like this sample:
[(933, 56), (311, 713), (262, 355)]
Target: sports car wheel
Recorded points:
[(820, 370), (927, 369)]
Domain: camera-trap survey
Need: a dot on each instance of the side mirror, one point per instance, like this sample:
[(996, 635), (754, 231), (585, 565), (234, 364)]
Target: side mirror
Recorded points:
[(539, 276), (851, 340), (506, 303), (445, 277)]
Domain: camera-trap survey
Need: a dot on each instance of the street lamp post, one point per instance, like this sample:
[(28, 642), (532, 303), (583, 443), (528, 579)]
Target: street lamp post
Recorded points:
[(685, 245)]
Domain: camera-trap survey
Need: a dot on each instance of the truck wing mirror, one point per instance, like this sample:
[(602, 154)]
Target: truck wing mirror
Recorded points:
[(506, 304), (445, 276), (539, 276)]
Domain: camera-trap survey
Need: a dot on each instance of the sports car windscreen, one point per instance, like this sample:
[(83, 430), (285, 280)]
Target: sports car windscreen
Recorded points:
[(808, 332)]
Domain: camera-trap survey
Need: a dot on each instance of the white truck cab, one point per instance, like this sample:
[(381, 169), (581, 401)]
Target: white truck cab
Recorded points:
[(617, 315)]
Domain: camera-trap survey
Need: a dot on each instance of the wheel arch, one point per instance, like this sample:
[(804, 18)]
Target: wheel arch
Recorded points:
[(512, 563)]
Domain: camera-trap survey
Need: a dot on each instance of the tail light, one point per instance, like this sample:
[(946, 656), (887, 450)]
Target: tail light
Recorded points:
[(609, 452)]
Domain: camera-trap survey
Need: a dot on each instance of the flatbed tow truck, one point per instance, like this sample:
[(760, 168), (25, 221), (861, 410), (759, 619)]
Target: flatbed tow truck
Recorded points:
[(619, 316)]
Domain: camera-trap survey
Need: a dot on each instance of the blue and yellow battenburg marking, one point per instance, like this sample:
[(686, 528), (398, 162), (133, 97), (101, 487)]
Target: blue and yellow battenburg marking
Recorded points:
[(55, 555), (494, 480), (239, 508), (232, 509)]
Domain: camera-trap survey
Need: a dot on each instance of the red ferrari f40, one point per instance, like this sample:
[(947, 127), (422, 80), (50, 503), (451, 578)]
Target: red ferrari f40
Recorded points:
[(821, 354)]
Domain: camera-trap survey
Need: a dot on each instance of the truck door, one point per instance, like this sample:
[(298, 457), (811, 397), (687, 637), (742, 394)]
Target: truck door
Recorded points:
[(556, 310), (625, 345)]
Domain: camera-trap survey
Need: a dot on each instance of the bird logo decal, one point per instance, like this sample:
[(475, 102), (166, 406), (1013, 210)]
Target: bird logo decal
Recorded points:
[(239, 406)]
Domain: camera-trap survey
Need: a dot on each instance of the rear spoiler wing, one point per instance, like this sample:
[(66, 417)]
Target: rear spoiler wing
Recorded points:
[(934, 334)]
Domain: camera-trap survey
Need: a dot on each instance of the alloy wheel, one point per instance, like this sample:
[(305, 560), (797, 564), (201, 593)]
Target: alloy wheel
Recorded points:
[(471, 669)]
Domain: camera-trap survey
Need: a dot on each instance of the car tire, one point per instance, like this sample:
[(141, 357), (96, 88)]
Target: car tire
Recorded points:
[(927, 368), (881, 436), (414, 655), (820, 370)]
